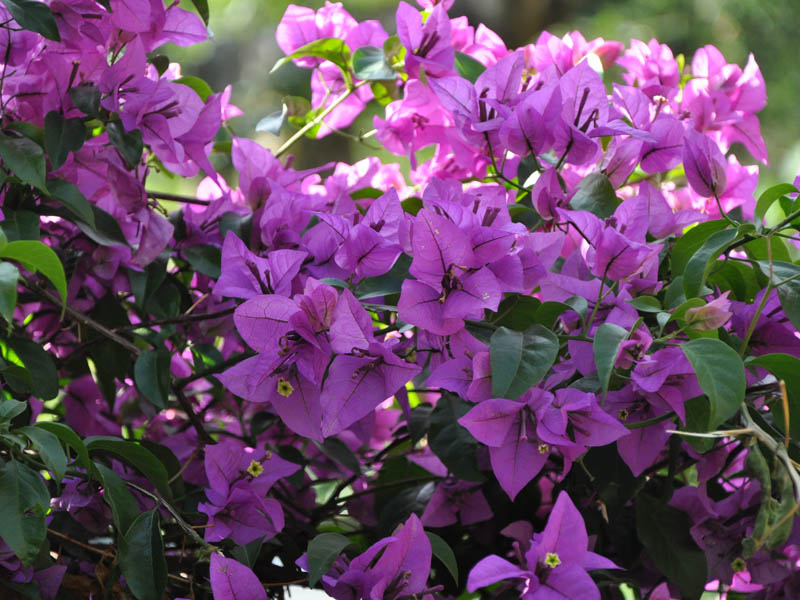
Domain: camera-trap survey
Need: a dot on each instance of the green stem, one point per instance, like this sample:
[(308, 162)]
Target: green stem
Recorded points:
[(317, 120)]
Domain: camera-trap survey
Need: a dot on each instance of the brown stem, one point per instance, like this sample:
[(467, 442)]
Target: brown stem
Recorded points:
[(174, 320), (177, 198), (202, 435)]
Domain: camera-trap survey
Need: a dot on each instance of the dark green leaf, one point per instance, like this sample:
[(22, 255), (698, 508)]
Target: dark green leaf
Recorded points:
[(128, 143), (204, 258), (323, 550), (444, 553), (9, 276), (62, 136), (370, 63), (20, 225), (517, 312), (71, 197), (18, 378), (10, 409), (387, 284), (520, 359), (338, 451), (106, 230), (664, 532), (607, 341), (86, 98), (412, 205), (151, 375), (116, 494), (141, 557), (240, 225), (332, 49), (769, 196), (202, 9), (34, 16), (596, 195), (467, 67), (25, 158), (198, 85), (787, 368), (778, 249), (451, 442), (49, 449), (39, 364), (29, 130), (135, 455), (788, 289), (646, 304), (24, 500), (71, 439), (248, 553), (35, 256), (701, 263), (720, 373), (686, 245)]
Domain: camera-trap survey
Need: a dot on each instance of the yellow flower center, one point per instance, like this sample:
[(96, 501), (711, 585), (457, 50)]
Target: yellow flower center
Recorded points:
[(552, 560), (285, 388), (544, 448), (255, 469)]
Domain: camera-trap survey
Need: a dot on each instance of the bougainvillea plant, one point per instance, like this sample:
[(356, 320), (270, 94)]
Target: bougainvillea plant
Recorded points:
[(556, 355)]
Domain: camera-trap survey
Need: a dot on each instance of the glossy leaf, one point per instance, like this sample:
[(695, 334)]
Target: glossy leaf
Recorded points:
[(769, 196), (35, 256), (141, 557), (128, 143), (151, 373), (689, 243), (62, 136), (701, 263), (135, 455), (444, 553), (116, 494), (370, 63), (332, 49), (86, 98), (34, 16), (200, 86), (720, 373), (205, 259), (25, 158), (467, 67), (39, 364), (72, 199), (607, 342), (49, 448), (323, 550), (520, 359), (787, 368), (24, 500), (71, 439), (9, 277), (596, 195)]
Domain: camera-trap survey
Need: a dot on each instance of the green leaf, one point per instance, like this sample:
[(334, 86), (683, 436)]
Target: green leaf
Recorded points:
[(29, 130), (202, 9), (198, 85), (20, 225), (646, 304), (339, 452), (151, 375), (24, 500), (9, 277), (323, 550), (370, 63), (664, 532), (787, 368), (467, 67), (39, 364), (72, 199), (10, 409), (128, 143), (71, 439), (686, 245), (788, 290), (141, 557), (701, 263), (34, 16), (444, 553), (451, 442), (596, 195), (720, 373), (332, 49), (607, 342), (273, 122), (520, 359), (25, 158), (18, 378), (116, 494), (769, 196), (62, 136), (86, 98), (106, 230), (204, 258), (135, 455), (35, 256), (49, 449)]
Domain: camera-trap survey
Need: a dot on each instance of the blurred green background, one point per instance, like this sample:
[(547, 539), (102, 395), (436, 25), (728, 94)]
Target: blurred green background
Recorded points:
[(244, 50)]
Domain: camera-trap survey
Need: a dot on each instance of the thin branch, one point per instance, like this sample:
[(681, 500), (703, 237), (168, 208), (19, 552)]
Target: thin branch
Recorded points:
[(82, 318), (202, 434), (177, 198), (185, 318)]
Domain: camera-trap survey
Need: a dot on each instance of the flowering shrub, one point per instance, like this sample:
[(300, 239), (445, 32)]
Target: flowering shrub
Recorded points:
[(556, 358)]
